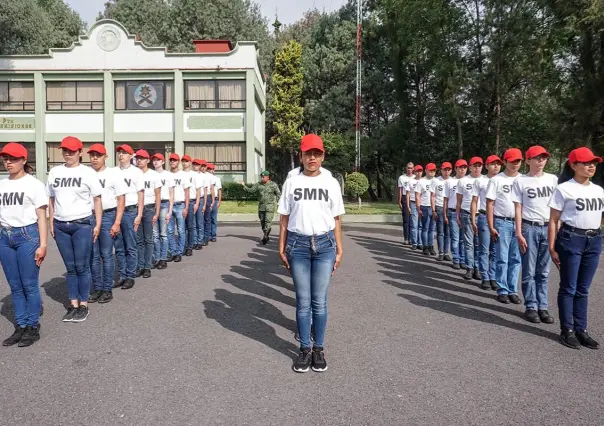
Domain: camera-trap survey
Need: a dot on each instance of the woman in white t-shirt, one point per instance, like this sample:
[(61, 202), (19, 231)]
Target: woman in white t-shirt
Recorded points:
[(23, 241), (152, 205), (160, 228), (310, 246), (575, 247), (75, 193)]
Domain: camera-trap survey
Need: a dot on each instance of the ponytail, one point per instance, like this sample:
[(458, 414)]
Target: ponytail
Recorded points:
[(28, 169), (567, 173)]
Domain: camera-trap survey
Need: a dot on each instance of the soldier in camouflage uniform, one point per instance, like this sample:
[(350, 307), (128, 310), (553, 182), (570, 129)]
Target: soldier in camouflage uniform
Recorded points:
[(267, 201)]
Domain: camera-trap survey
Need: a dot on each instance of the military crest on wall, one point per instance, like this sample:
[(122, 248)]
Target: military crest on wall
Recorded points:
[(145, 95)]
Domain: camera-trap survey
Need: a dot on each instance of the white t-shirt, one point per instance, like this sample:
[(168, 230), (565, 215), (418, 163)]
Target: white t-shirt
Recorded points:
[(151, 181), (402, 182), (438, 189), (73, 189), (581, 205), (465, 188), (411, 187), (19, 199), (133, 179), (423, 188), (167, 182), (181, 182), (450, 192), (312, 203), (201, 181), (298, 171), (500, 190), (218, 183), (480, 191), (112, 187), (190, 176), (534, 194)]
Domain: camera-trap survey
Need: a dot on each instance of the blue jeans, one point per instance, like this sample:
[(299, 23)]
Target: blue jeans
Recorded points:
[(443, 236), (457, 246), (144, 238), (470, 241), (74, 241), (126, 251), (17, 254), (177, 246), (427, 227), (415, 226), (507, 255), (406, 223), (535, 266), (207, 219), (103, 264), (191, 225), (200, 222), (160, 234), (214, 219), (311, 260), (579, 257), (486, 251)]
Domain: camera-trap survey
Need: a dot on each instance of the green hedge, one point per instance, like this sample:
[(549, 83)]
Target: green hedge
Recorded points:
[(234, 192)]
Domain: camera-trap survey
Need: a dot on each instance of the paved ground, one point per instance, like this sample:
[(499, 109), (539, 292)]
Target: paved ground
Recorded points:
[(210, 341)]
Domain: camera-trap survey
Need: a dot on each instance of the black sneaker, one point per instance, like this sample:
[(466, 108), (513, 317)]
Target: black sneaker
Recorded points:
[(413, 247), (128, 284), (503, 298), (94, 296), (146, 273), (568, 339), (170, 259), (545, 316), (441, 257), (586, 340), (162, 264), (302, 364), (31, 336), (205, 243), (139, 272), (447, 258), (318, 360), (71, 311), (468, 275), (514, 299), (119, 283), (177, 258), (484, 285), (81, 314), (106, 297), (432, 252), (456, 266), (531, 315), (15, 337), (154, 265), (477, 275), (264, 240), (197, 247), (189, 252), (494, 285), (425, 251)]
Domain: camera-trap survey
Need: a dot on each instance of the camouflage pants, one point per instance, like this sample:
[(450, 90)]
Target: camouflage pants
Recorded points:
[(266, 220)]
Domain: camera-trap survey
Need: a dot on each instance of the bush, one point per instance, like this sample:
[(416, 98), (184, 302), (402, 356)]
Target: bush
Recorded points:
[(356, 185), (233, 191)]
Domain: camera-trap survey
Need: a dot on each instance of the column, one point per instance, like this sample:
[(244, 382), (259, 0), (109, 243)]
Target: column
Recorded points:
[(179, 100), (108, 106), (250, 101), (40, 125)]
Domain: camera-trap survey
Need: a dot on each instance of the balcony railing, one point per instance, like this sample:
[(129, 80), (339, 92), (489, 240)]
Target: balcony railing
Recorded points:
[(74, 105), (214, 104), (17, 106), (230, 167)]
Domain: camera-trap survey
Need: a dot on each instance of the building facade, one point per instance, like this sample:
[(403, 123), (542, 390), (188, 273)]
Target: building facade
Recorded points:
[(110, 88)]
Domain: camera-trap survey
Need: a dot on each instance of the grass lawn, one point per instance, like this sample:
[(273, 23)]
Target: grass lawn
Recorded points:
[(382, 207)]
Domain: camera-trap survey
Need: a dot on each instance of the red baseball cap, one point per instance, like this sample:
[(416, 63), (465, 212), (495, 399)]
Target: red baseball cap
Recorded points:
[(185, 158), (142, 153), (71, 143), (197, 161), (583, 155), (14, 149), (535, 151), (460, 163), (493, 159), (99, 148), (126, 148), (211, 166), (446, 165), (158, 156), (430, 166), (475, 160), (174, 156), (311, 141), (418, 168), (512, 154)]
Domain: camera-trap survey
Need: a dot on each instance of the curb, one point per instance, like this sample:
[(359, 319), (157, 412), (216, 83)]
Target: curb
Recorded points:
[(352, 218)]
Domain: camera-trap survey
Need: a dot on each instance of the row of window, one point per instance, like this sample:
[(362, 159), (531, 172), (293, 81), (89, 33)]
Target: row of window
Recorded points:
[(227, 157), (129, 95)]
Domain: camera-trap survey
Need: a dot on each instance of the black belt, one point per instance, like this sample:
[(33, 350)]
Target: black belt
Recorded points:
[(132, 207), (164, 201), (507, 219), (178, 203), (533, 223), (482, 212), (150, 204), (110, 210), (586, 232), (452, 210), (81, 221), (465, 211)]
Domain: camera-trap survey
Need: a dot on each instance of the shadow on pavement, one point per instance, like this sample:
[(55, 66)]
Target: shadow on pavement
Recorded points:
[(7, 310), (413, 272), (56, 289)]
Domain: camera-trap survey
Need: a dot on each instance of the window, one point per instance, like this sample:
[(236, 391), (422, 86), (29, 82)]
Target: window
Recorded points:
[(215, 94), (227, 157), (144, 95), (54, 156), (74, 95), (17, 96), (31, 155)]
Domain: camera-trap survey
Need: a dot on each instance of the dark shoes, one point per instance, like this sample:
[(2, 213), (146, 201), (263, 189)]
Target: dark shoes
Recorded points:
[(503, 298), (447, 258), (485, 285), (545, 317), (477, 275), (31, 336), (70, 314), (568, 339), (468, 275), (431, 250), (177, 258), (456, 266), (81, 314), (302, 364), (318, 360), (188, 252), (170, 258), (128, 284), (494, 285), (119, 283), (413, 247), (586, 340), (531, 315), (441, 257), (162, 264), (213, 240), (197, 247), (146, 273), (15, 337), (139, 272), (94, 296), (514, 299), (264, 240), (426, 251), (106, 297)]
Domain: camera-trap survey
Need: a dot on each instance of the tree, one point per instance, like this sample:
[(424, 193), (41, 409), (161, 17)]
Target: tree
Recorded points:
[(356, 185), (287, 84)]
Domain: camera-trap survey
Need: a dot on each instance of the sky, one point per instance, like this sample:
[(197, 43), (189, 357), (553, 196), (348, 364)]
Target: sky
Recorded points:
[(89, 9)]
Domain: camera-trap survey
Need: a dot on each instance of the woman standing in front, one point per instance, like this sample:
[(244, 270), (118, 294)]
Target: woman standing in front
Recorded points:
[(22, 242), (575, 247), (75, 195), (310, 246)]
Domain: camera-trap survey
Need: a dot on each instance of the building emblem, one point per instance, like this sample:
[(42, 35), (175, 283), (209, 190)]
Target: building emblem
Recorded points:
[(108, 39), (145, 95)]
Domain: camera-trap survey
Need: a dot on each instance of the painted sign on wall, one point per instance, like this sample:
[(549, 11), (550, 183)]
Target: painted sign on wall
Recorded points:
[(17, 123)]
